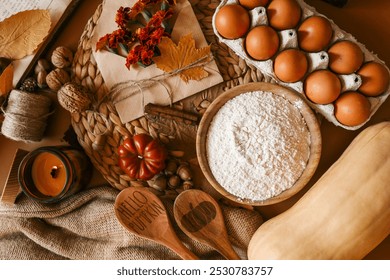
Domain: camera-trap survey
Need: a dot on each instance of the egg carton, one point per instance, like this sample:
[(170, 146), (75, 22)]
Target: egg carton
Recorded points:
[(316, 60)]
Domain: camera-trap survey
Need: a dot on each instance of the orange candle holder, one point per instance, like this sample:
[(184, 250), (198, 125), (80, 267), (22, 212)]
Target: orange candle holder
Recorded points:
[(50, 174)]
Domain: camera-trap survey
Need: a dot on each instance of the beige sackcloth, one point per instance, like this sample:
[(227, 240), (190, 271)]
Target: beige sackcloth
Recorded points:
[(84, 227)]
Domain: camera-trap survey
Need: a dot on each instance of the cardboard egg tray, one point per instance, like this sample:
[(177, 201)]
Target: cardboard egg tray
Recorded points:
[(316, 60)]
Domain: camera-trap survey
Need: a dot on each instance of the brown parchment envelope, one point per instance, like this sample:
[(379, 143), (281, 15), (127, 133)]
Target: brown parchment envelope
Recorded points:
[(114, 71)]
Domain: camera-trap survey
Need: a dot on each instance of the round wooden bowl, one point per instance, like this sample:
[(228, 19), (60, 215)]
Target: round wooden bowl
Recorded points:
[(308, 115)]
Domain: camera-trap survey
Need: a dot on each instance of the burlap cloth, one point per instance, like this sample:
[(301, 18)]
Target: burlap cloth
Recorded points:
[(84, 226)]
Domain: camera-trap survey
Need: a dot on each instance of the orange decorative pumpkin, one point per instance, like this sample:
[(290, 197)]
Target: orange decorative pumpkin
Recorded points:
[(141, 156)]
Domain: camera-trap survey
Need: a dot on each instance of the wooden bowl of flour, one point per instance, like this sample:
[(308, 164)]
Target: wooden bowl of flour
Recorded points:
[(258, 144)]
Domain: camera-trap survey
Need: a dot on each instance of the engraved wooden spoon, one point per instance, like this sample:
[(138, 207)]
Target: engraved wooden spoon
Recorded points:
[(200, 217), (142, 213)]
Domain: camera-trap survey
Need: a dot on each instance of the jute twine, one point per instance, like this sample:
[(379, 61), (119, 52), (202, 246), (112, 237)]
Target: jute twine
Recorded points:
[(234, 70), (138, 86), (26, 116)]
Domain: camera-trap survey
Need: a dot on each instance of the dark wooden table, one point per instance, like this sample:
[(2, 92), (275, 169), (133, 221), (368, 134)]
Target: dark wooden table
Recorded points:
[(368, 21)]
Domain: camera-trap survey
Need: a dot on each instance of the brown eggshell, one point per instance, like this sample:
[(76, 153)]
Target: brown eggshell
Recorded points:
[(232, 21), (251, 4), (345, 57), (262, 42), (322, 87), (284, 14), (375, 79), (290, 65), (352, 108), (315, 34)]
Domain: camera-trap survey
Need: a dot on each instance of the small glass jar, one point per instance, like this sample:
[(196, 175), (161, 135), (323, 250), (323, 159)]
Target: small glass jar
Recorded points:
[(50, 174)]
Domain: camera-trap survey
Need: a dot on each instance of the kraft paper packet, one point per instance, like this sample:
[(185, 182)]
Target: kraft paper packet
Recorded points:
[(114, 71)]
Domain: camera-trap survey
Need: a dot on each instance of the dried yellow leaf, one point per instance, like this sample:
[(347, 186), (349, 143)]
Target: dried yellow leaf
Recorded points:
[(6, 79), (184, 58), (22, 33)]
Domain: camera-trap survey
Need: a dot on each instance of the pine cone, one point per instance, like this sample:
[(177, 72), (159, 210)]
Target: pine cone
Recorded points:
[(29, 85)]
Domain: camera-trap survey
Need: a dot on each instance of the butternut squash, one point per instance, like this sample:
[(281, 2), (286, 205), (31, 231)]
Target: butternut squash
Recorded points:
[(345, 215)]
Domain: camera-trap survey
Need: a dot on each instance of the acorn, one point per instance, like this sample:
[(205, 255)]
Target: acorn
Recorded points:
[(171, 168), (159, 182), (184, 172), (174, 181), (187, 185)]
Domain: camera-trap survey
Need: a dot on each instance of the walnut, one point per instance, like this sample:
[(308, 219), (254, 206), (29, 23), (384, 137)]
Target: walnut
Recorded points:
[(62, 57), (56, 78), (73, 97)]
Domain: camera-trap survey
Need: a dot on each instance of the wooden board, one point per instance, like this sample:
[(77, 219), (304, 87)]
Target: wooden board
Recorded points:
[(48, 40)]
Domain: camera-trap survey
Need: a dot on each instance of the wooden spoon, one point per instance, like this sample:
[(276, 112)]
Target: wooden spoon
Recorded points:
[(200, 217), (142, 213)]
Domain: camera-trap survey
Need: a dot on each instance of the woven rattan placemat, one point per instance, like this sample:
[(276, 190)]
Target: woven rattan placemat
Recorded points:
[(91, 124)]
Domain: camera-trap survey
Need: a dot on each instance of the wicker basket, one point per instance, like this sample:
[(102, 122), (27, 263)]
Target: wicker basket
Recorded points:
[(100, 130)]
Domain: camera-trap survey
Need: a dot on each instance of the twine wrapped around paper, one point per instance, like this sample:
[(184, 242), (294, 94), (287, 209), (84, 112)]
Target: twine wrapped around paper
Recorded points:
[(139, 85), (26, 116)]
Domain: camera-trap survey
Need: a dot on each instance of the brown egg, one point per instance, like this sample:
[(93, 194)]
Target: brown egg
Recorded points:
[(322, 87), (345, 57), (375, 79), (314, 34), (232, 21), (290, 65), (262, 42), (284, 14), (251, 4), (352, 108)]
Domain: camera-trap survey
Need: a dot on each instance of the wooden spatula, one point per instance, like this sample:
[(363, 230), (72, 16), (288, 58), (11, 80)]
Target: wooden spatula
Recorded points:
[(200, 217), (142, 213)]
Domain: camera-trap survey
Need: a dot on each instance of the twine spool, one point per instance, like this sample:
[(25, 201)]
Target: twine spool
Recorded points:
[(26, 116)]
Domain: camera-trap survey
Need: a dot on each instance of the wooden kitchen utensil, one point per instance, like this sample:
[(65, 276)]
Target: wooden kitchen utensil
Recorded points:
[(142, 213), (200, 217)]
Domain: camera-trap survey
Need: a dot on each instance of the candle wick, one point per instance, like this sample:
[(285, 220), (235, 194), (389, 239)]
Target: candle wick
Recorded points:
[(54, 172)]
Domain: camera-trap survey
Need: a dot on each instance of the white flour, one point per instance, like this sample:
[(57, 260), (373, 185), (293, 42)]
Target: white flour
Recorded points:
[(258, 145)]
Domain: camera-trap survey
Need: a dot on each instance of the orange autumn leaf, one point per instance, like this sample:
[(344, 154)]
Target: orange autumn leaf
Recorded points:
[(184, 58), (22, 33), (6, 79)]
